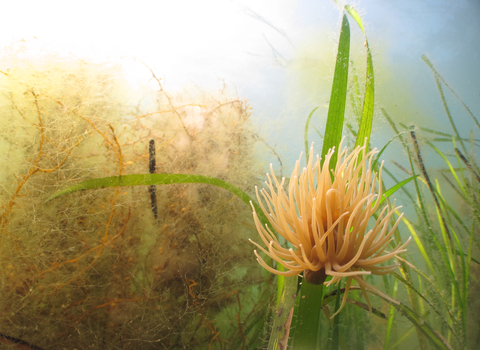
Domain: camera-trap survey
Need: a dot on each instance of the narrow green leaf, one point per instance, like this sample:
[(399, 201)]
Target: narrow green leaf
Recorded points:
[(354, 14), (365, 127), (419, 245), (338, 97), (394, 189), (159, 179)]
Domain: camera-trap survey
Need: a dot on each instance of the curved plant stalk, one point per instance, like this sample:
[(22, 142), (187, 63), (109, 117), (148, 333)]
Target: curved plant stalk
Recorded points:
[(158, 179)]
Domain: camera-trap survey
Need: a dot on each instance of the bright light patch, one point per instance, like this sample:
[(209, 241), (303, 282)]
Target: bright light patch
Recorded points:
[(182, 41)]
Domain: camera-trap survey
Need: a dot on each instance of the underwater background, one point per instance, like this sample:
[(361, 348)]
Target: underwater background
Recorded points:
[(213, 92), (280, 55)]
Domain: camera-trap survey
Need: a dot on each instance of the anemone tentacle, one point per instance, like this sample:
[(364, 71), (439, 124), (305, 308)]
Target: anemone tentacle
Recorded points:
[(324, 216)]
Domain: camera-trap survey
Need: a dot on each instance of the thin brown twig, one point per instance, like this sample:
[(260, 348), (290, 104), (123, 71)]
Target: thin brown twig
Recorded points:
[(110, 303), (170, 110), (191, 283), (62, 161), (211, 341), (119, 153), (33, 169), (97, 256), (174, 109)]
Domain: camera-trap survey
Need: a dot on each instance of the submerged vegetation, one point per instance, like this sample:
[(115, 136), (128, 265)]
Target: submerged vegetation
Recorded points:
[(102, 270), (136, 264)]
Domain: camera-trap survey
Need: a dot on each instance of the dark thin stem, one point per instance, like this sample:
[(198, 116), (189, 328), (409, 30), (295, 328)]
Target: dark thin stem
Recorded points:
[(151, 169), (17, 342), (429, 183), (467, 163)]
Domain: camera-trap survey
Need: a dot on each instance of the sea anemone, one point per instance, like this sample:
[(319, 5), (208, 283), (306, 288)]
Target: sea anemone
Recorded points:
[(324, 216)]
